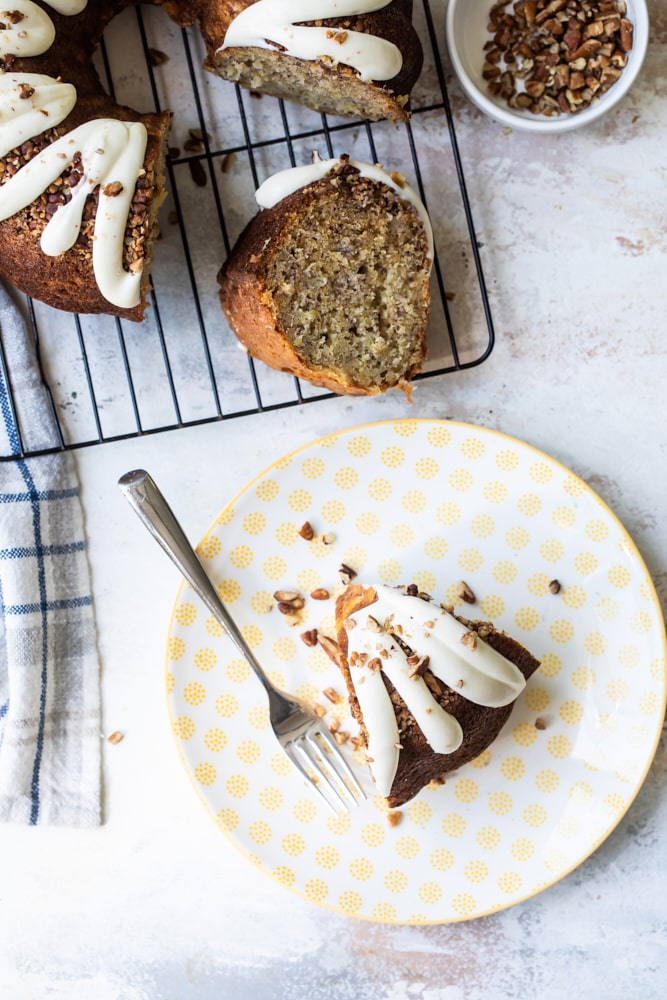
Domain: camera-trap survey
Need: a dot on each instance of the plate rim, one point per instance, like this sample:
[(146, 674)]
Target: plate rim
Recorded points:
[(288, 457)]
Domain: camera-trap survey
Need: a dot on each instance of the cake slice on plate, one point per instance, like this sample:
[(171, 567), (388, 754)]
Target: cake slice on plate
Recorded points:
[(430, 690)]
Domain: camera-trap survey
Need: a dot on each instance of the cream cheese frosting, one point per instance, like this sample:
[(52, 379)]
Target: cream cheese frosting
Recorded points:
[(28, 30), (480, 674), (27, 100), (274, 24)]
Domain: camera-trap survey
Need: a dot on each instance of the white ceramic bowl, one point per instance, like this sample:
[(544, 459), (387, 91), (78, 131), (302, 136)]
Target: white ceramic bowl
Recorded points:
[(466, 29)]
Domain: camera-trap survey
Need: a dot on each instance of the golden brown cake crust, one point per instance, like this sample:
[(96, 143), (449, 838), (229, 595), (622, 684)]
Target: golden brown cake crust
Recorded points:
[(251, 310), (417, 763)]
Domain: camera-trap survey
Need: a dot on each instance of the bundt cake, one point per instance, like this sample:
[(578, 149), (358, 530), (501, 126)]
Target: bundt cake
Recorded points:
[(330, 281), (429, 689), (81, 179)]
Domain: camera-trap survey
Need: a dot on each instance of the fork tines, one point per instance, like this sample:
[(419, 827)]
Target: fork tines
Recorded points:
[(318, 758)]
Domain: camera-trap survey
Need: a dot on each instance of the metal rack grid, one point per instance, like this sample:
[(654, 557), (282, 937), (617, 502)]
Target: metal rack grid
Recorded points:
[(107, 379)]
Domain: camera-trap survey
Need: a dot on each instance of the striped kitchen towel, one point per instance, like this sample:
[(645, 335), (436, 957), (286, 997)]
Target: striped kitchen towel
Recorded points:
[(49, 673)]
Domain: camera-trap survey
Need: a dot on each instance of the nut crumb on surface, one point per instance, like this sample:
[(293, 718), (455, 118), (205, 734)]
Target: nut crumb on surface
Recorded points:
[(198, 173), (157, 57), (306, 531), (540, 724), (332, 695), (465, 592), (115, 737), (320, 594), (554, 586), (226, 162)]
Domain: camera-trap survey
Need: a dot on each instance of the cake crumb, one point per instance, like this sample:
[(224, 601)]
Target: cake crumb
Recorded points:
[(554, 586), (115, 737), (394, 817), (540, 724)]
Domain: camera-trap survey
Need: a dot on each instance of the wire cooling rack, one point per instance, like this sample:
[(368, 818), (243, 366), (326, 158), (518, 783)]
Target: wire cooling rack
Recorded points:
[(107, 379)]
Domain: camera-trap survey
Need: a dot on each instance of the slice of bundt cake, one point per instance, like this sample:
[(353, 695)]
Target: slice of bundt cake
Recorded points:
[(355, 58), (330, 282), (430, 690)]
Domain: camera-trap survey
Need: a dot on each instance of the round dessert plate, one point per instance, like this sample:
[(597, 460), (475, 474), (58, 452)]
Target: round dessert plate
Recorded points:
[(430, 502)]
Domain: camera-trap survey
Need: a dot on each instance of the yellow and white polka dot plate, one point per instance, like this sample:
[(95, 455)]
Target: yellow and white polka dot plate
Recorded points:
[(432, 502)]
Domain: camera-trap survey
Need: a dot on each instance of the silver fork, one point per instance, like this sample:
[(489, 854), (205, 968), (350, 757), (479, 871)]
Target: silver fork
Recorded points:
[(299, 732)]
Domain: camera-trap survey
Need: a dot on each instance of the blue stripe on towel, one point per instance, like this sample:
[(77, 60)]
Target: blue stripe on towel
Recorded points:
[(60, 605), (33, 493), (8, 416), (25, 552)]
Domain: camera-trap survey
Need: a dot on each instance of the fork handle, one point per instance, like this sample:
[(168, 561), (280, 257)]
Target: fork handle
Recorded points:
[(145, 498)]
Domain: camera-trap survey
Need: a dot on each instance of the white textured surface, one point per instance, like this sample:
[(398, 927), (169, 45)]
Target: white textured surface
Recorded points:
[(156, 903)]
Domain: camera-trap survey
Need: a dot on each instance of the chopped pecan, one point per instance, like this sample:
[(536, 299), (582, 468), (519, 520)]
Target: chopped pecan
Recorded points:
[(320, 594), (465, 592), (539, 46), (306, 531), (469, 639)]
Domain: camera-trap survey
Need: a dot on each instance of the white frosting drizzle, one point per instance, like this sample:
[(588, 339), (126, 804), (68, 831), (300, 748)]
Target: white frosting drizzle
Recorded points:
[(34, 32), (29, 102), (277, 22), (68, 7), (286, 182), (112, 153), (30, 36), (482, 675)]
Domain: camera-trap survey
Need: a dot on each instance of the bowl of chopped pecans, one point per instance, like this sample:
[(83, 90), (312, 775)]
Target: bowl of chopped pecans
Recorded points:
[(546, 65)]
